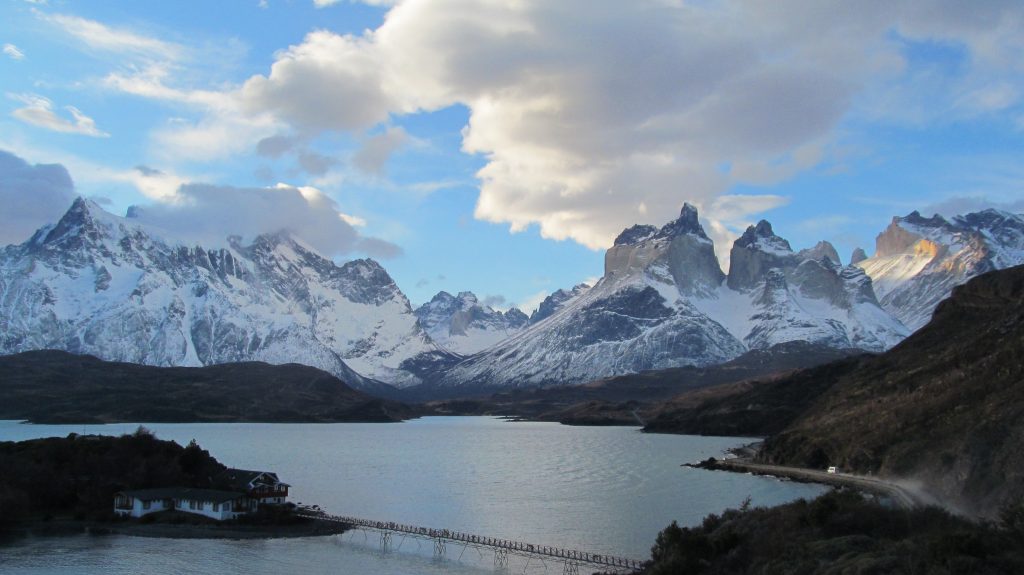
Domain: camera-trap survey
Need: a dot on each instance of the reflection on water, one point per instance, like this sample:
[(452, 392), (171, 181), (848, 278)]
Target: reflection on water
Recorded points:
[(601, 489)]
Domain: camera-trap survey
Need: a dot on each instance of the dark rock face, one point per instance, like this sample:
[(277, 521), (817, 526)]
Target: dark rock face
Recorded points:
[(857, 256), (635, 235)]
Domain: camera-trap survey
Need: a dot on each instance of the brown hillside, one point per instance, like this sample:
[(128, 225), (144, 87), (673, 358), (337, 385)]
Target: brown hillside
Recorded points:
[(945, 407)]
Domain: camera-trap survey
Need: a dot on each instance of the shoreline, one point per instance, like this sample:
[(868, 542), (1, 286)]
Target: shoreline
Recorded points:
[(68, 527)]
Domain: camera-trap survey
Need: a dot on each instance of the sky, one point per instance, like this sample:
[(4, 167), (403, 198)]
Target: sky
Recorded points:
[(499, 146)]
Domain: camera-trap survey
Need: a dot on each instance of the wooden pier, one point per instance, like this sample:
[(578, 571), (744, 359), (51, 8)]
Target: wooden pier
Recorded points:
[(502, 548)]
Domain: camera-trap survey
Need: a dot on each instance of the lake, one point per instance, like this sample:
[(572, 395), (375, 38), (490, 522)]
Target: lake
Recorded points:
[(602, 489)]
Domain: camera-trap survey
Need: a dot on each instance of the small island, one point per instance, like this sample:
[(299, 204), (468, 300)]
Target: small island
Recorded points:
[(137, 484)]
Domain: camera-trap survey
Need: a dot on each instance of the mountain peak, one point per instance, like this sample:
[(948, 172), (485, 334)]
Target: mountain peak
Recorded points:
[(686, 223), (635, 234), (78, 225), (858, 256), (821, 250), (762, 237)]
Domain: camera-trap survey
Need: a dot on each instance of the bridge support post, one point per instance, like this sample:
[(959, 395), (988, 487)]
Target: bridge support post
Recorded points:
[(501, 557), (571, 568), (385, 541), (439, 547)]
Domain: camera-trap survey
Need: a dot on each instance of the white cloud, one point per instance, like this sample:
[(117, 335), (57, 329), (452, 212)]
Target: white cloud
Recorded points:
[(583, 112), (203, 212), (13, 52), (99, 36), (32, 196), (38, 111)]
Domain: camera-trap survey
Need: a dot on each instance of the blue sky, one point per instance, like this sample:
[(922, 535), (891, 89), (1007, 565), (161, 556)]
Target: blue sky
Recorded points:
[(499, 146)]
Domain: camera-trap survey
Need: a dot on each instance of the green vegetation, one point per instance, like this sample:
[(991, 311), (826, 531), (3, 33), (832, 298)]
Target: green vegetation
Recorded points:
[(841, 532), (77, 476)]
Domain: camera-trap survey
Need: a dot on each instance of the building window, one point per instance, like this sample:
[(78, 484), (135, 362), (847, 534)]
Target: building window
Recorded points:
[(145, 504), (216, 506), (192, 505)]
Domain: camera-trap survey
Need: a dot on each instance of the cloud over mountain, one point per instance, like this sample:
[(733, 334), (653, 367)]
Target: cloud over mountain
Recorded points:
[(593, 115), (209, 212), (32, 196)]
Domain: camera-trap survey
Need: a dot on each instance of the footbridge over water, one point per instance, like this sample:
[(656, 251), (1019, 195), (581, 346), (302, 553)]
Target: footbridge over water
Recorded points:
[(570, 559)]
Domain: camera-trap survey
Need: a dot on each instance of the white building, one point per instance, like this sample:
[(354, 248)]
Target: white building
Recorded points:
[(212, 503)]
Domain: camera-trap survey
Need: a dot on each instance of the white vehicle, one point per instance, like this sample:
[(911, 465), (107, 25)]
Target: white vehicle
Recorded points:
[(832, 469)]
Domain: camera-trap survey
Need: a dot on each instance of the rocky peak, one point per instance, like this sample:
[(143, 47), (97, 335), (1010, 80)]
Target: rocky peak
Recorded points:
[(555, 301), (821, 250), (77, 224), (896, 239), (635, 234), (516, 318), (915, 218), (756, 252), (680, 253), (686, 223), (857, 256), (762, 237), (467, 299)]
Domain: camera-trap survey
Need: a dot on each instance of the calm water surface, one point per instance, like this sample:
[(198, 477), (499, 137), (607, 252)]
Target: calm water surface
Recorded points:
[(602, 489)]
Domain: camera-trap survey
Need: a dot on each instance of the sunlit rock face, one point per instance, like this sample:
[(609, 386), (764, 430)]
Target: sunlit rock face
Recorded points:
[(110, 287), (918, 260)]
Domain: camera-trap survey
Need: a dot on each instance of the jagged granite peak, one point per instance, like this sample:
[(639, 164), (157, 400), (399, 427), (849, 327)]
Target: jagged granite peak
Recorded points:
[(918, 260), (686, 223), (635, 234), (556, 301), (115, 288), (462, 325), (756, 252), (822, 249), (680, 253), (857, 256)]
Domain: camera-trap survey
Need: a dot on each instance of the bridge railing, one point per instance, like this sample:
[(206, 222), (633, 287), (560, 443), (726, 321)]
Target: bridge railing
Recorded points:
[(517, 547)]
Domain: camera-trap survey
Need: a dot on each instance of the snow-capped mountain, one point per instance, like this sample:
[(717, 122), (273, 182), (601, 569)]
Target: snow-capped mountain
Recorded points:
[(111, 287), (918, 261), (664, 302), (462, 325)]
